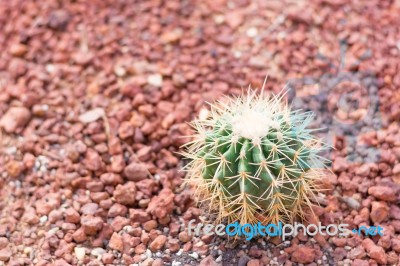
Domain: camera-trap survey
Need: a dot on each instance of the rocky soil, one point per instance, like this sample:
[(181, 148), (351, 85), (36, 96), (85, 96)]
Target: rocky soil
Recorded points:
[(95, 97)]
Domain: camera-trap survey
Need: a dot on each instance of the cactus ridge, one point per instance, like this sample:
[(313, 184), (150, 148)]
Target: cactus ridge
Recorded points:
[(253, 159)]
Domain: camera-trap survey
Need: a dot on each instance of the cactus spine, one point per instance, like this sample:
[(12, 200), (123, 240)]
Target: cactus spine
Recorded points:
[(253, 160)]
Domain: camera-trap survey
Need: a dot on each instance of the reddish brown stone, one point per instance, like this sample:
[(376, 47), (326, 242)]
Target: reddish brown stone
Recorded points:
[(125, 194), (158, 243), (162, 205), (375, 252), (15, 118), (91, 224), (383, 193), (116, 242), (379, 211), (303, 255), (135, 172)]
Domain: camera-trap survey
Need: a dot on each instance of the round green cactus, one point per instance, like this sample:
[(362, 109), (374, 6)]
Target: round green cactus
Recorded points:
[(254, 160)]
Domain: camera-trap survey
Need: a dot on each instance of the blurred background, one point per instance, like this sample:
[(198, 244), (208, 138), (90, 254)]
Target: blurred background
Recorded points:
[(95, 97)]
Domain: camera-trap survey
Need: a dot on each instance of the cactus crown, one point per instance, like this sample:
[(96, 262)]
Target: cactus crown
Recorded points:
[(253, 159)]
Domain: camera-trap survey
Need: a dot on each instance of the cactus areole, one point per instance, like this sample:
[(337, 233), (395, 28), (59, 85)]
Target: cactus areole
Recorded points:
[(252, 159)]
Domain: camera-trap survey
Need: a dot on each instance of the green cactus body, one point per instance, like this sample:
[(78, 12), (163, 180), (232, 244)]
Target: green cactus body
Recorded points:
[(253, 159)]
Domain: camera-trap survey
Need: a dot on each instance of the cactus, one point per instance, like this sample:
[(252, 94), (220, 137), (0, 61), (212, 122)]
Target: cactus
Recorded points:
[(252, 159)]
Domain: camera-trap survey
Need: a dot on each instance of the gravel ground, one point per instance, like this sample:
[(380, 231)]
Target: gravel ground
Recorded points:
[(95, 97)]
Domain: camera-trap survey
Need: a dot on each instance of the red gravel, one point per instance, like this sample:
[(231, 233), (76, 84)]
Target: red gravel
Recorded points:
[(95, 97)]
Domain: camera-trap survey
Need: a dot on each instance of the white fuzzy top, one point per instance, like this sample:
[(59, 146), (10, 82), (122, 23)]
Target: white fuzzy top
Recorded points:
[(251, 124)]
